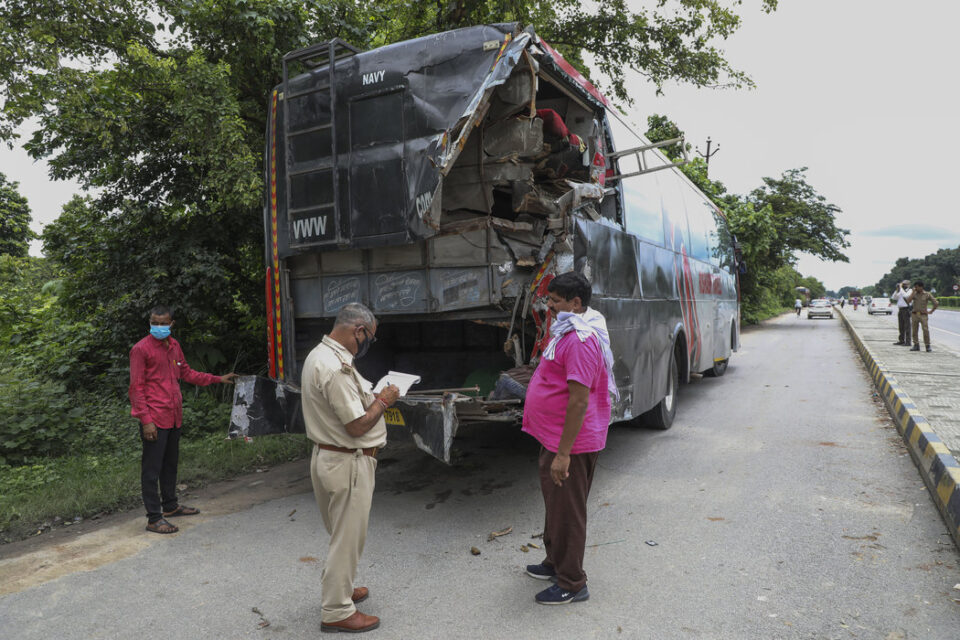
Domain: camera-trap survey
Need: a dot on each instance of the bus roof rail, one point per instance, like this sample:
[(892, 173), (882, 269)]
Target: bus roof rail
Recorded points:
[(644, 165), (317, 55)]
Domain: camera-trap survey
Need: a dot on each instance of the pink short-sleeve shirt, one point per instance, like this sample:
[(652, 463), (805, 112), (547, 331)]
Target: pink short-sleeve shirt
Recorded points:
[(545, 407)]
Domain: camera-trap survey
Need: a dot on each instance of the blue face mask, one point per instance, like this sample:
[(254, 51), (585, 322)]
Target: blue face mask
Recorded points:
[(160, 331)]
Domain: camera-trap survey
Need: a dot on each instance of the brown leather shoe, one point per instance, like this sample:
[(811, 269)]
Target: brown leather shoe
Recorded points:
[(357, 623), (360, 594)]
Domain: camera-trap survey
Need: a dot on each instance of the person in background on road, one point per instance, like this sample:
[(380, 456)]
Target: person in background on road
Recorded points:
[(903, 312), (157, 366), (567, 410), (344, 420), (798, 306), (843, 301), (856, 303), (920, 300)]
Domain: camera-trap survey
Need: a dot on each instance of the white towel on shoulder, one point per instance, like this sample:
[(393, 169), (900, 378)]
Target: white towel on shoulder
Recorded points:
[(589, 323)]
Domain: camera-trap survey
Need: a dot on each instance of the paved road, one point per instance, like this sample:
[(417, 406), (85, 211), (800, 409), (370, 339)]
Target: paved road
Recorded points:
[(782, 505)]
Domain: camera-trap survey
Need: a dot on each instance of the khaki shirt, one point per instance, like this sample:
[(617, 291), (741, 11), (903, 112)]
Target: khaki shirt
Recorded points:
[(921, 300), (334, 393)]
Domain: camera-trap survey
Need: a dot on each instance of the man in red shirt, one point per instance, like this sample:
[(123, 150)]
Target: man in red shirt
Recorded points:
[(156, 367)]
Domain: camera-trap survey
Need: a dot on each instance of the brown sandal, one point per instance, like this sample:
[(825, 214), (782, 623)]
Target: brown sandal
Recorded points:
[(161, 526), (181, 511)]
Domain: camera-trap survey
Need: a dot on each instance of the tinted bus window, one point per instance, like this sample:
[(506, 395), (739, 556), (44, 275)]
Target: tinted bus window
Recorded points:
[(674, 211), (696, 214), (724, 246), (641, 196), (714, 248)]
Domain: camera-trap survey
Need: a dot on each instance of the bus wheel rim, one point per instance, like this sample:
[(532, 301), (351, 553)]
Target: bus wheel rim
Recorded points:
[(668, 399)]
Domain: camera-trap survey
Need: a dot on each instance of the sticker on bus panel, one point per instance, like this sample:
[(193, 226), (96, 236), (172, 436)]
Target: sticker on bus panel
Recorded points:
[(393, 417), (313, 227)]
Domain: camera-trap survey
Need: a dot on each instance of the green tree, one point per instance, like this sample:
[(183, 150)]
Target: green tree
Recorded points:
[(15, 233), (804, 221)]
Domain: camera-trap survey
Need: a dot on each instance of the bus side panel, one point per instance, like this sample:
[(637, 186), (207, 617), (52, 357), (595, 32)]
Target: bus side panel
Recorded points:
[(634, 288)]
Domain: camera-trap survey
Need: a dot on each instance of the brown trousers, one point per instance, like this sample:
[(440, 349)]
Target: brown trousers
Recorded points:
[(920, 320), (565, 524)]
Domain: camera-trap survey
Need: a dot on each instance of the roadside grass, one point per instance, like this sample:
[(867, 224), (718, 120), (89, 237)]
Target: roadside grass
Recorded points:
[(34, 498)]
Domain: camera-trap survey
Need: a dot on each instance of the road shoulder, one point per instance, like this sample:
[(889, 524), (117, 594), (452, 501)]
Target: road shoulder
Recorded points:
[(899, 381), (94, 543)]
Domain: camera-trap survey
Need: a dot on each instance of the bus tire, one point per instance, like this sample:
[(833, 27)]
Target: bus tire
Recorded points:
[(718, 369), (661, 416), (720, 366)]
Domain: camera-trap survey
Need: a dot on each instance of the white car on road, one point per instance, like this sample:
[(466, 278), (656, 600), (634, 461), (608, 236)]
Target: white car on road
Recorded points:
[(820, 308), (879, 305)]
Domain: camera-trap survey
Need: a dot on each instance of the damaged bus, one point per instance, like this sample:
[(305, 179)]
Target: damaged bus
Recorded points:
[(443, 182)]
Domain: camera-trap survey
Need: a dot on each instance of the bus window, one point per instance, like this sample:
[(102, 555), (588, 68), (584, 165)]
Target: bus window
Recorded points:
[(723, 249), (674, 211), (696, 214), (641, 197)]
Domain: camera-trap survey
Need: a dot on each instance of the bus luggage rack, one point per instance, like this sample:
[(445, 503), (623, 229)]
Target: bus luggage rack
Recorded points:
[(644, 166)]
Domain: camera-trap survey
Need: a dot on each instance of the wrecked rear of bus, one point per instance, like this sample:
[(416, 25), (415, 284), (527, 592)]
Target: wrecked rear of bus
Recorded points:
[(443, 182)]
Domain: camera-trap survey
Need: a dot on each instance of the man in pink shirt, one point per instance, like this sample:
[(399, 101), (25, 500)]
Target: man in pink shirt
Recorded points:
[(156, 367), (567, 409)]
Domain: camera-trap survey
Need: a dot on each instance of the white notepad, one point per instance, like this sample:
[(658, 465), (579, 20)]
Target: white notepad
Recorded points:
[(402, 380)]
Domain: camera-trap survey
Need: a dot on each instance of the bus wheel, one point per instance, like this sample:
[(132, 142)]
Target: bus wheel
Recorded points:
[(718, 369), (662, 415)]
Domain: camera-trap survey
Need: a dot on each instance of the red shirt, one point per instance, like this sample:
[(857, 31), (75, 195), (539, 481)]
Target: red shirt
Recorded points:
[(156, 368)]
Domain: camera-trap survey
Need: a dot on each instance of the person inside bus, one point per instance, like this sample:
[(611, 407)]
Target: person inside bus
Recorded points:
[(567, 410)]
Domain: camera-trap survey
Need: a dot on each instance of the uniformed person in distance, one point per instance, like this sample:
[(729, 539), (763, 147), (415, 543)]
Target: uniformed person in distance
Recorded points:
[(921, 301), (344, 419)]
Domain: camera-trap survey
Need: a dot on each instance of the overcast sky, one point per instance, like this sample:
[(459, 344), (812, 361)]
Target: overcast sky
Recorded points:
[(863, 92)]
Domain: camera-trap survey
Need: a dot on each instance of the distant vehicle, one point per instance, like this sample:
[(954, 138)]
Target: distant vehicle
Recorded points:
[(820, 308), (879, 305)]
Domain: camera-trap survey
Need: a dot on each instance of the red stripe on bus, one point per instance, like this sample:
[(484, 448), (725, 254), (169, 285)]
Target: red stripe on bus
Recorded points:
[(271, 356)]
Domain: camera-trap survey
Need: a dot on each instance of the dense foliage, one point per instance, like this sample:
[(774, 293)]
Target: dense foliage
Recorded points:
[(773, 224), (15, 233), (939, 271)]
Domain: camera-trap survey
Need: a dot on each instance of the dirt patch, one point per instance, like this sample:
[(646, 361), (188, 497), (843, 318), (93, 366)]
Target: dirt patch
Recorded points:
[(95, 543)]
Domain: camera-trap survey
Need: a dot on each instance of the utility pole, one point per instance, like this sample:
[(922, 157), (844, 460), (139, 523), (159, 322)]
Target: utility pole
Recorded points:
[(708, 154)]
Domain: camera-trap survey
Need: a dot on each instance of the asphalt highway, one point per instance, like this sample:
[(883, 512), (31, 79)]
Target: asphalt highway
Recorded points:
[(782, 504)]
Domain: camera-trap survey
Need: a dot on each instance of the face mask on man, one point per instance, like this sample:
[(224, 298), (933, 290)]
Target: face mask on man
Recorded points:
[(364, 345), (160, 331)]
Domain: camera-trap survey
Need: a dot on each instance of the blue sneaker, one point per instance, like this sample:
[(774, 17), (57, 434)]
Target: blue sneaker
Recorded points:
[(541, 572), (558, 595)]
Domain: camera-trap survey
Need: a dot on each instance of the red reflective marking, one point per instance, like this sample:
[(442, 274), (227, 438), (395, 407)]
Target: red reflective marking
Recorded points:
[(271, 358), (576, 75)]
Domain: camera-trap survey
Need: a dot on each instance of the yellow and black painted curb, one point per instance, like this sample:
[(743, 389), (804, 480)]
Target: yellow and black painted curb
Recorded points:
[(938, 468)]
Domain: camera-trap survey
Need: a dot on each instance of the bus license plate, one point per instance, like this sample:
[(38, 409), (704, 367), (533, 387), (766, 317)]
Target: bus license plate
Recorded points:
[(393, 417)]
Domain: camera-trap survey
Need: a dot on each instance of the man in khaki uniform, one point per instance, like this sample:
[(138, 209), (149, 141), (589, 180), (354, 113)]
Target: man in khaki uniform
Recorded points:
[(344, 419), (920, 300)]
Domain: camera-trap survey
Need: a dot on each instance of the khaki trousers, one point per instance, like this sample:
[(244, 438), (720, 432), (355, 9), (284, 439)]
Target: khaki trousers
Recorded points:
[(343, 486), (920, 319)]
